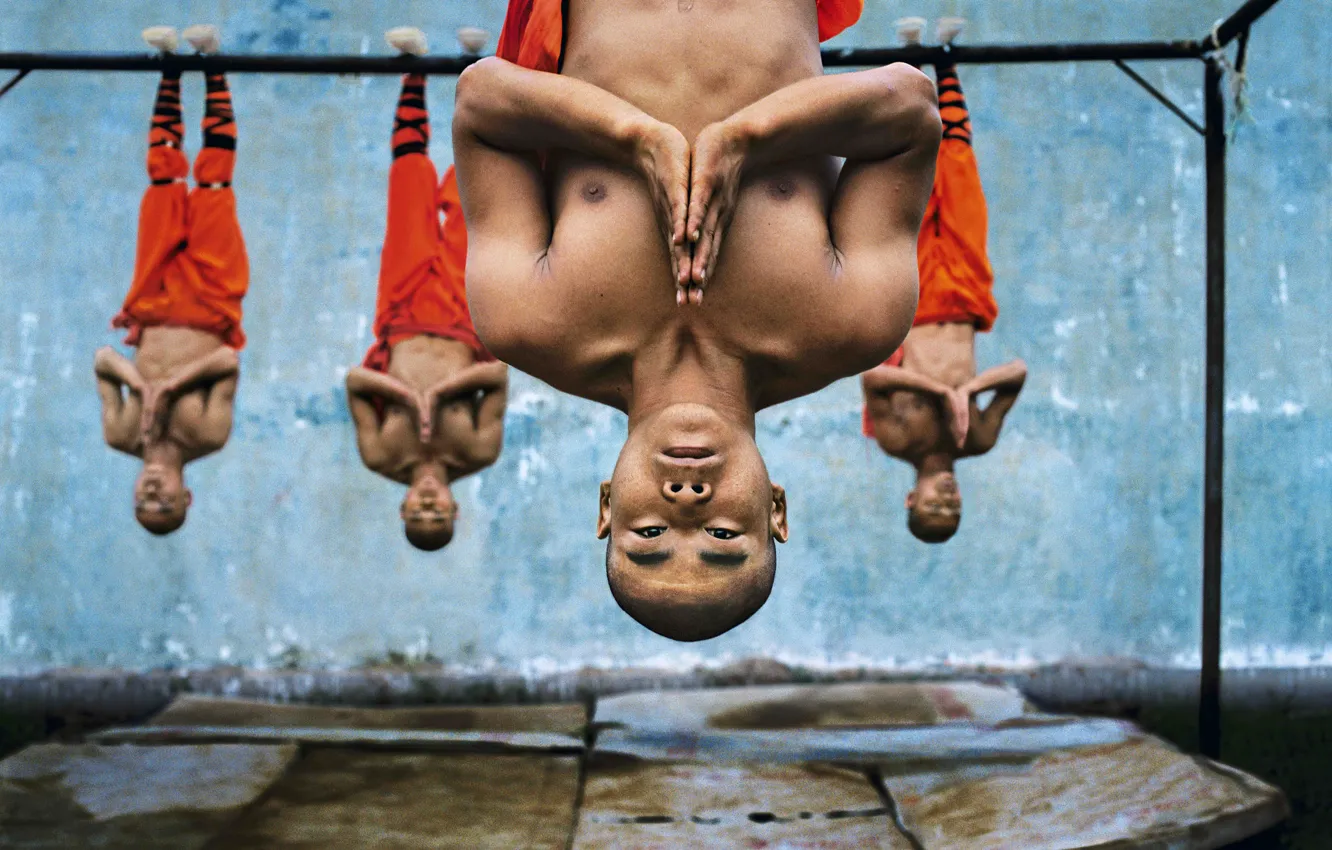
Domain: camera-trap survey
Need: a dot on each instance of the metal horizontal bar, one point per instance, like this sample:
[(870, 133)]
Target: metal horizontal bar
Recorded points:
[(1237, 23), (1003, 54), (832, 58)]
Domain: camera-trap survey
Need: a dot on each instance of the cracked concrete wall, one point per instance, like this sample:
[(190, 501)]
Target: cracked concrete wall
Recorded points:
[(1082, 530)]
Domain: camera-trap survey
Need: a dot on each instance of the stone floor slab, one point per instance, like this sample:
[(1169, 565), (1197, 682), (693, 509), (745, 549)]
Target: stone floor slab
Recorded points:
[(905, 745), (398, 801), (137, 798), (477, 728), (191, 710), (1141, 794), (633, 804), (838, 706)]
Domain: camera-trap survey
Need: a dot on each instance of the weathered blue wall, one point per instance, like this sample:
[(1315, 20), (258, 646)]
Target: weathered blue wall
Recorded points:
[(1082, 532)]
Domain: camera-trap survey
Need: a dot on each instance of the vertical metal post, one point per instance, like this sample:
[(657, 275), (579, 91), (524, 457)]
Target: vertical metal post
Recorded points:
[(1209, 695)]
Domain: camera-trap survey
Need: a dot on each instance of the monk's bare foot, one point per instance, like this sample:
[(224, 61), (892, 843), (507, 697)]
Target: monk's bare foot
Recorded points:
[(472, 39), (162, 39), (204, 38), (948, 29), (909, 30), (408, 41)]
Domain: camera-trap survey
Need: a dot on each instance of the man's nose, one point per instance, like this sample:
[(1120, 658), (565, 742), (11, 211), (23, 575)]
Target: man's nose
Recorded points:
[(686, 492)]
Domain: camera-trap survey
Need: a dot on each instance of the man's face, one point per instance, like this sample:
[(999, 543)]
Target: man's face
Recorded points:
[(160, 498), (936, 503), (690, 503), (428, 513)]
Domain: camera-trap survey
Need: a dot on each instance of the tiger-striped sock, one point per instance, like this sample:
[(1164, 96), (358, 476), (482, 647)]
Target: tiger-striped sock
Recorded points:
[(952, 105), (167, 127), (411, 123), (219, 124)]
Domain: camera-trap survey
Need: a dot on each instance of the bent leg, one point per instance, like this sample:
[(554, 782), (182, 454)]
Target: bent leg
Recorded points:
[(216, 244), (411, 237), (162, 212), (956, 280)]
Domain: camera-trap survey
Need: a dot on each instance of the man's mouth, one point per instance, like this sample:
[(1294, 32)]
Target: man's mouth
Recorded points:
[(688, 452)]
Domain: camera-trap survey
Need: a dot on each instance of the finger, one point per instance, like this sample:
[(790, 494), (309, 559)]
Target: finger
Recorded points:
[(700, 195), (704, 254), (680, 211)]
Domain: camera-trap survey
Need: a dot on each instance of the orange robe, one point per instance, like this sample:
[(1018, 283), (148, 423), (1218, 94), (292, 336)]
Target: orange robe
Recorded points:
[(421, 281), (191, 269)]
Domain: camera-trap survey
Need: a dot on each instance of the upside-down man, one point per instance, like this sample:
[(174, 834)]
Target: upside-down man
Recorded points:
[(428, 402), (173, 403), (921, 404), (598, 200)]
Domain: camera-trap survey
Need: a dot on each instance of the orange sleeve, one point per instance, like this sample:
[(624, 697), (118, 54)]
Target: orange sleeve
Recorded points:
[(533, 34)]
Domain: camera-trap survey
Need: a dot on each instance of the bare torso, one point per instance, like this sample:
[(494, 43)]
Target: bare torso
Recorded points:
[(164, 351), (421, 362), (777, 269)]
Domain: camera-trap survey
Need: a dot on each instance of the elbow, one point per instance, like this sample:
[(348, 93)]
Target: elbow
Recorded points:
[(913, 101), (475, 92)]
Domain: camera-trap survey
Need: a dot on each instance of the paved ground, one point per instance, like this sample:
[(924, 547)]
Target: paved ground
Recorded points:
[(912, 766)]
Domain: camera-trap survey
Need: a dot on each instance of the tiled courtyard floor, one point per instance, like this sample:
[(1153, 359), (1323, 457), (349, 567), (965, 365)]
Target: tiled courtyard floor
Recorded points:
[(913, 766)]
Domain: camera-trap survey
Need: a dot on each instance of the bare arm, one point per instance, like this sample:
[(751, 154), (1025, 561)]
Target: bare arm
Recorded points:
[(121, 389), (479, 377), (884, 122), (887, 379), (363, 386), (503, 118), (484, 447), (218, 371), (1007, 382)]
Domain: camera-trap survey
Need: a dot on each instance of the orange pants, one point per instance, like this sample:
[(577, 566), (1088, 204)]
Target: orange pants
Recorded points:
[(421, 280), (191, 269)]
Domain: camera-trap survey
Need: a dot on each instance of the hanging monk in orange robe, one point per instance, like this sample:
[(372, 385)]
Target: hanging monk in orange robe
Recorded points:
[(173, 404), (921, 404), (428, 401)]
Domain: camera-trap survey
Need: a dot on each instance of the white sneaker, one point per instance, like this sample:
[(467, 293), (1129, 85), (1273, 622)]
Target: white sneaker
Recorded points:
[(948, 29), (407, 40), (472, 39), (204, 38), (162, 39), (909, 30)]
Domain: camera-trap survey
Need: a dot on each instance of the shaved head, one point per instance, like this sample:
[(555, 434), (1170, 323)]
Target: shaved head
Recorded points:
[(691, 602)]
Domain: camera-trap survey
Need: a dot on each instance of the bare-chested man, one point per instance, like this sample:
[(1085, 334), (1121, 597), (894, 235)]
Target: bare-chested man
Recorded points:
[(921, 405), (724, 132), (428, 403), (173, 404)]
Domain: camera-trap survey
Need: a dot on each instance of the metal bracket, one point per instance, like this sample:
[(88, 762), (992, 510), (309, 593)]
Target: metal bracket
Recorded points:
[(18, 78), (1156, 93)]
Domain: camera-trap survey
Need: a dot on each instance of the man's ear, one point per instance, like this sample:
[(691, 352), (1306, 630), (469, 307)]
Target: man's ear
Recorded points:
[(777, 523), (910, 499), (189, 498), (603, 512)]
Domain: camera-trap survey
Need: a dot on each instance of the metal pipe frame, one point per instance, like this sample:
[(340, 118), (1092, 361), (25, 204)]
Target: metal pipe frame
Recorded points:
[(1214, 132)]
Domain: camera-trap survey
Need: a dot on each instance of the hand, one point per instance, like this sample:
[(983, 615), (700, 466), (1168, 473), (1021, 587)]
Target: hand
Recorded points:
[(714, 187), (959, 419), (663, 159), (425, 416), (156, 411)]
